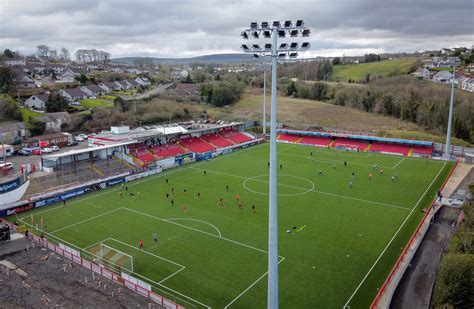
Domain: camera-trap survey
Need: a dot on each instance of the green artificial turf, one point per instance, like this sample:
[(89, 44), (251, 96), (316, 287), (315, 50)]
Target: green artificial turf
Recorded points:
[(330, 235)]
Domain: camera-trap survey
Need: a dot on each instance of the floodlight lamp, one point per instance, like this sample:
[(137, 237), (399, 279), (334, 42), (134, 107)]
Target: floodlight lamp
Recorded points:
[(268, 46), (283, 46), (305, 45), (244, 35), (293, 55), (256, 56), (281, 33), (255, 47), (294, 45), (299, 23), (255, 34), (276, 23), (264, 24), (245, 47), (288, 24), (267, 34), (281, 55), (294, 33), (305, 33), (253, 25)]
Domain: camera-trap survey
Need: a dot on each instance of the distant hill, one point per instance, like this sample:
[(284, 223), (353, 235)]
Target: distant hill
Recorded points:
[(216, 58)]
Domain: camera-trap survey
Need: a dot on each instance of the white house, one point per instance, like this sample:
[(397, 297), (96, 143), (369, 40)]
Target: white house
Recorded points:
[(442, 77), (118, 86), (470, 67), (468, 85), (93, 90), (423, 73), (73, 94), (37, 101), (143, 81), (179, 74), (57, 69), (68, 76)]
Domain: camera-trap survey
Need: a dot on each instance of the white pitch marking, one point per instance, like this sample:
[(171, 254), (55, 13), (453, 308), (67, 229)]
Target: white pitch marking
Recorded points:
[(190, 219), (391, 240), (403, 159), (83, 221)]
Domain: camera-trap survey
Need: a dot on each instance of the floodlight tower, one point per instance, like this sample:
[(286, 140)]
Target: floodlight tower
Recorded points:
[(285, 31), (447, 155)]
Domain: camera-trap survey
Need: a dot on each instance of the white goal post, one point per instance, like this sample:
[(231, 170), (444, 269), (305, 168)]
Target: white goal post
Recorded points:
[(113, 258)]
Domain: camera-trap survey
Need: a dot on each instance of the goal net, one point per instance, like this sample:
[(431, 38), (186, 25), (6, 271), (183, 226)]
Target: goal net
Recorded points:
[(112, 258)]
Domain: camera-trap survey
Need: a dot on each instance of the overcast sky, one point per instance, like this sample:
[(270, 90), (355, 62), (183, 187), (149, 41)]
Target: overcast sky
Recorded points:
[(183, 28)]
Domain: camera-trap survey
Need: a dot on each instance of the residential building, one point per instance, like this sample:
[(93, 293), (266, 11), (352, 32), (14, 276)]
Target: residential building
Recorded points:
[(13, 62), (443, 77), (68, 76), (422, 73), (470, 67), (143, 81), (26, 82), (93, 90), (108, 86), (73, 94), (37, 101), (118, 86), (179, 74), (13, 132), (468, 85)]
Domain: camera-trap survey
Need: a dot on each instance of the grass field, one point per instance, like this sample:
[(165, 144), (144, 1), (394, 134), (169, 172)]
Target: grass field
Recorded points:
[(28, 113), (336, 244), (381, 68), (95, 102)]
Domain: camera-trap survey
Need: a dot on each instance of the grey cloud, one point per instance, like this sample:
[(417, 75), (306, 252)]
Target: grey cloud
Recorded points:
[(178, 28)]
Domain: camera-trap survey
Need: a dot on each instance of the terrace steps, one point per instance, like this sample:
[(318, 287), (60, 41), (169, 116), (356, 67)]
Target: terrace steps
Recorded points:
[(124, 162), (368, 147), (97, 170), (208, 142), (227, 139), (331, 144), (299, 139), (410, 152)]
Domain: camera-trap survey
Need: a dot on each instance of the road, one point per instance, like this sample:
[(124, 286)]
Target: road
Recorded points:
[(148, 93)]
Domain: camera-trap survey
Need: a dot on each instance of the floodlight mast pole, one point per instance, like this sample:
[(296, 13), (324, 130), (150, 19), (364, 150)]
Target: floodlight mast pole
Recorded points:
[(264, 116), (273, 211), (447, 155)]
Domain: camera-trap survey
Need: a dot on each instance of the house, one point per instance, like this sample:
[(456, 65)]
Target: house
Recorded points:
[(55, 122), (422, 73), (26, 82), (143, 81), (459, 79), (108, 86), (37, 101), (13, 62), (456, 61), (468, 85), (78, 71), (58, 139), (442, 77), (13, 132), (118, 86), (57, 69), (470, 67), (68, 76), (93, 90), (133, 83), (179, 74), (73, 94)]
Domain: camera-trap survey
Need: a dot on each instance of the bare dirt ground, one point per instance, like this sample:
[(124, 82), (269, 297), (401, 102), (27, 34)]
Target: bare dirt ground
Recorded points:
[(53, 282)]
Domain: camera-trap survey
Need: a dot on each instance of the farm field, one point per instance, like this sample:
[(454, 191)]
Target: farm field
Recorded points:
[(337, 244), (359, 71)]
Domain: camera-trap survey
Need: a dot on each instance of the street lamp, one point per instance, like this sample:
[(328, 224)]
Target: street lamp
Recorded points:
[(286, 31)]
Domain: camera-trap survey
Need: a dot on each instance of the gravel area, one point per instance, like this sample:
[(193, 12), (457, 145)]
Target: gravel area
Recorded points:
[(52, 281)]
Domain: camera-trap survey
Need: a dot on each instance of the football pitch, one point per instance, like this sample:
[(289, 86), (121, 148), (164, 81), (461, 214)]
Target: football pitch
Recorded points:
[(337, 243)]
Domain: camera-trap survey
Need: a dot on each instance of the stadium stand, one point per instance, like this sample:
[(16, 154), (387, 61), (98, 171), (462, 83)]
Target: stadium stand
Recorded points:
[(314, 140), (236, 136), (390, 148), (217, 140), (348, 142), (427, 151), (196, 144), (288, 137), (168, 150)]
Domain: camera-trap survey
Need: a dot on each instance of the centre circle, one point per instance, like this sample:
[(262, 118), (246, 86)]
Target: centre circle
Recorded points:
[(256, 178)]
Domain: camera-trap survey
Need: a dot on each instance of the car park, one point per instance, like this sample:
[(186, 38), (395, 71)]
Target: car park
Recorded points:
[(36, 152), (46, 150), (73, 143)]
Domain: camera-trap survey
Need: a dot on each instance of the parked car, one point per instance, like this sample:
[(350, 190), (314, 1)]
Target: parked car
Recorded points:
[(6, 165), (84, 136), (79, 138), (54, 148), (73, 143), (36, 152), (23, 152), (75, 103), (46, 150)]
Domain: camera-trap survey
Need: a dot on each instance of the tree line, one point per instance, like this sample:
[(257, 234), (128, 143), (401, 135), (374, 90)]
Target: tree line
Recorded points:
[(403, 97)]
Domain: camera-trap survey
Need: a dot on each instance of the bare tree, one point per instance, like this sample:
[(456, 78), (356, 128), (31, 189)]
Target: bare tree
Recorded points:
[(53, 54), (65, 54), (43, 50)]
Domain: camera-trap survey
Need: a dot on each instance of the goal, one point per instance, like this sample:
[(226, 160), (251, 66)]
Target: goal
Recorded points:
[(112, 258)]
